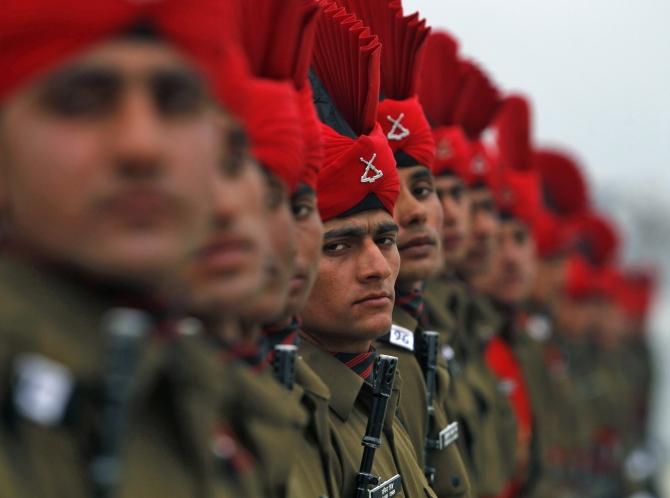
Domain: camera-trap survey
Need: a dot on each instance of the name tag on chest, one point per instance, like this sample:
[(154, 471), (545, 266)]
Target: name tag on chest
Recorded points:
[(447, 436), (387, 489)]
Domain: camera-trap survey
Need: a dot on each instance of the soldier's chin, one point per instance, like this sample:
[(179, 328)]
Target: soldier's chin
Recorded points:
[(150, 261), (420, 269), (373, 327)]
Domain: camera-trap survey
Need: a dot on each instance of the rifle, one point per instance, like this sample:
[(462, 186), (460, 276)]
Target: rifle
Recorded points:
[(283, 364), (426, 354), (125, 331), (382, 386)]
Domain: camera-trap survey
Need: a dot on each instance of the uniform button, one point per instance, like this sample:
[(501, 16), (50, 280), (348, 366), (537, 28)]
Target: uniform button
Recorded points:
[(455, 481)]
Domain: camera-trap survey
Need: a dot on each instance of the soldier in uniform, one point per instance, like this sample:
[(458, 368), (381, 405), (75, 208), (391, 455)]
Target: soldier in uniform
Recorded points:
[(269, 418), (418, 214), (564, 432), (486, 422), (351, 303), (110, 143), (511, 354), (289, 54)]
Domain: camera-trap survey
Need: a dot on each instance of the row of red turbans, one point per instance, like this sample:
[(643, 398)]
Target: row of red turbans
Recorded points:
[(385, 87)]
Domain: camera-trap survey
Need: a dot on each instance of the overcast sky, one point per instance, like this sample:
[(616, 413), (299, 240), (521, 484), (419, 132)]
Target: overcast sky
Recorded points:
[(597, 72)]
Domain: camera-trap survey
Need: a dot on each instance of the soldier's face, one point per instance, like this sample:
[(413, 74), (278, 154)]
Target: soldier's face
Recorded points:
[(279, 263), (483, 234), (609, 324), (418, 213), (575, 317), (309, 239), (227, 270), (513, 268), (456, 212), (107, 162), (352, 299), (549, 278)]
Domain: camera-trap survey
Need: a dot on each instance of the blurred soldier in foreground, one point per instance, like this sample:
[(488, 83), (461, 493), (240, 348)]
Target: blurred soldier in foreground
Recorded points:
[(110, 144)]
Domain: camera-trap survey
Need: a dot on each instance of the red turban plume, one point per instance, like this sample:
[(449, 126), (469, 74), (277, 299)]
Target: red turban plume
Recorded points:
[(402, 37), (346, 60)]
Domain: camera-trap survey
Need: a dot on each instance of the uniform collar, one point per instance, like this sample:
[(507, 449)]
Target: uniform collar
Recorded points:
[(404, 319), (310, 381), (344, 384)]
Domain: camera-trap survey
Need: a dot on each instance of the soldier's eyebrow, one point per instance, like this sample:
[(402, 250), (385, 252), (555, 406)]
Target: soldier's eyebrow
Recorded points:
[(351, 231), (357, 231), (302, 190), (386, 228), (420, 174)]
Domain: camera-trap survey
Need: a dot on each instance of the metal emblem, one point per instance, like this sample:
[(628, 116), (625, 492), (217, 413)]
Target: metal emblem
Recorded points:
[(371, 173), (397, 131)]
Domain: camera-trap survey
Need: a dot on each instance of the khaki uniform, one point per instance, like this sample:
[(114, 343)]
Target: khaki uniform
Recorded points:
[(451, 477), (350, 403), (563, 424), (52, 361), (268, 419), (486, 419), (312, 474)]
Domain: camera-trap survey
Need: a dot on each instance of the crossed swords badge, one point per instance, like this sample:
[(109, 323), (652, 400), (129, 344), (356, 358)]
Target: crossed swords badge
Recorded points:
[(397, 131), (370, 169), (444, 149)]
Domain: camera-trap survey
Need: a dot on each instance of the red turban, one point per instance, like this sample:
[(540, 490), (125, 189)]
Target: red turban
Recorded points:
[(407, 129), (580, 280), (598, 239), (353, 169), (637, 293), (283, 55), (312, 136), (518, 194), (565, 187), (553, 235), (482, 169), (273, 120), (38, 35), (452, 152)]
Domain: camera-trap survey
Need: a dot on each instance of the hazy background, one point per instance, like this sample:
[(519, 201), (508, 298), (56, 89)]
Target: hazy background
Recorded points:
[(598, 74)]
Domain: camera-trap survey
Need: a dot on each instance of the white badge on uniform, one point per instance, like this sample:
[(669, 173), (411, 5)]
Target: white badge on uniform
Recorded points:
[(448, 353), (387, 489), (539, 327), (402, 337), (507, 386), (448, 435), (43, 389)]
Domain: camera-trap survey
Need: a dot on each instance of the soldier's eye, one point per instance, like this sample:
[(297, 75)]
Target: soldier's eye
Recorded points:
[(302, 209), (386, 241), (275, 191), (456, 193), (82, 92), (178, 93), (423, 190), (334, 247), (237, 156), (520, 236)]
